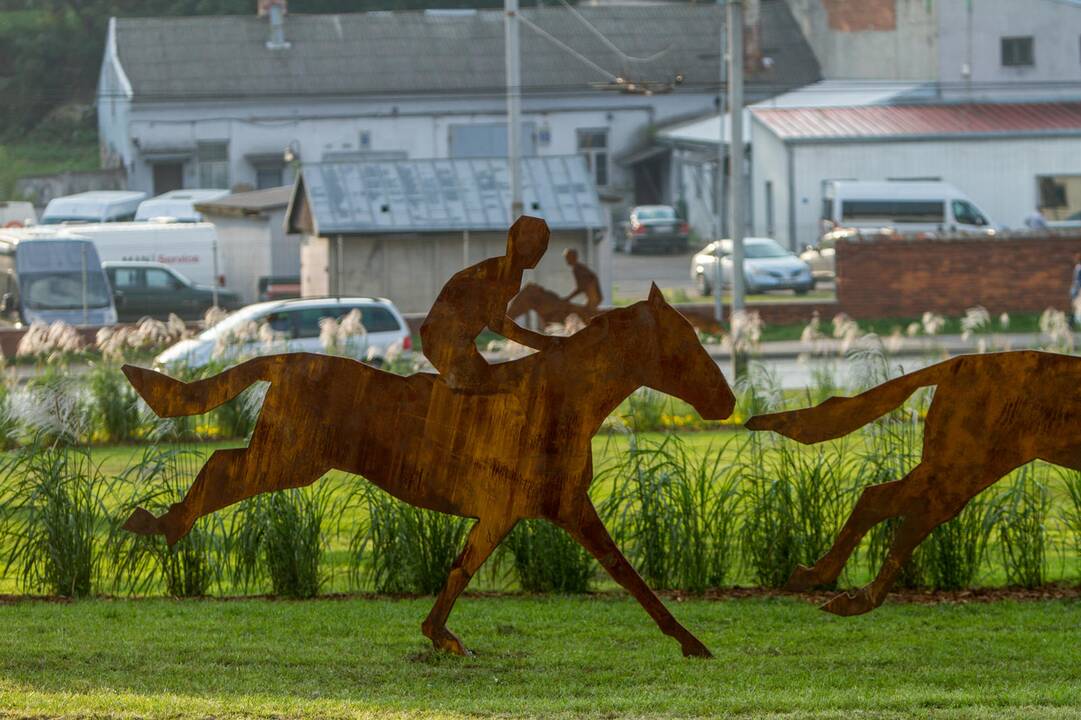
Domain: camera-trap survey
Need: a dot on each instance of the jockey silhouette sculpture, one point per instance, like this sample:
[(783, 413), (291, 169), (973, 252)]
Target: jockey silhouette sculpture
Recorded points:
[(499, 443)]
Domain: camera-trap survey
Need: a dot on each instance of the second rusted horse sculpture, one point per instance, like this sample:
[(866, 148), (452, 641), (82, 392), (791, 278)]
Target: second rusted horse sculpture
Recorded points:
[(521, 452), (991, 414)]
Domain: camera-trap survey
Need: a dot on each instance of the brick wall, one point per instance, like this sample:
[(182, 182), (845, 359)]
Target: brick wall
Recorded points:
[(891, 277)]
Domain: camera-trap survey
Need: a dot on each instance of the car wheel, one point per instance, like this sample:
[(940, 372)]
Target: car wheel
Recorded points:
[(803, 290), (703, 285)]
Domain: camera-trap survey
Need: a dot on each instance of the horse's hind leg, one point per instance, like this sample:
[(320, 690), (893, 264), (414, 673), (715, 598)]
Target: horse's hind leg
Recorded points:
[(909, 535), (876, 503), (588, 529), (228, 477), (483, 539)]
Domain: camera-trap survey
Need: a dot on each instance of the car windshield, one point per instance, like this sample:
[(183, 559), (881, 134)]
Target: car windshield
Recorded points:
[(64, 290), (764, 249), (661, 213)]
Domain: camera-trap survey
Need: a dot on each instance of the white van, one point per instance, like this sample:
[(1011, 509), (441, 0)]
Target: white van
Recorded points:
[(17, 213), (48, 279), (177, 205), (99, 206), (190, 248), (902, 206)]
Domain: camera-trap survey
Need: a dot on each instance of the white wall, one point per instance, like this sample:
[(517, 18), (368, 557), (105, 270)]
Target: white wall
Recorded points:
[(256, 246), (769, 162), (907, 52), (974, 37), (998, 174), (410, 270), (419, 127)]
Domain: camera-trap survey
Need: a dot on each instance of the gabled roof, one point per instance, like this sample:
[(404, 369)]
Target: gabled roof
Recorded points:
[(402, 53), (971, 120), (395, 196)]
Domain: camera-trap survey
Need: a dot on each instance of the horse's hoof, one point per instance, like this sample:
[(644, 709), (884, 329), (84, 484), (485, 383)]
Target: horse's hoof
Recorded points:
[(447, 641), (848, 604), (142, 522), (802, 579), (693, 647)]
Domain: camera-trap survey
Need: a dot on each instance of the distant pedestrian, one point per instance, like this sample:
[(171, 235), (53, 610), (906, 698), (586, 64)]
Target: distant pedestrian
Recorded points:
[(1036, 221), (1075, 292)]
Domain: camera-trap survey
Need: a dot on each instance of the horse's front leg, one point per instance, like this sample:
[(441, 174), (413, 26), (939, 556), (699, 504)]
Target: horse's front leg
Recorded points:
[(483, 539), (587, 528)]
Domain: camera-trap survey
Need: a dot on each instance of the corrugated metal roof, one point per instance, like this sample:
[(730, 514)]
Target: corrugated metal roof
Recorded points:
[(915, 121), (433, 195), (399, 53), (253, 200)]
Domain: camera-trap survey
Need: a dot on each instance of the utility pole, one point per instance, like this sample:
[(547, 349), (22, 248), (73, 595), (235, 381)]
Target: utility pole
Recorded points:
[(736, 154), (719, 185), (514, 106)]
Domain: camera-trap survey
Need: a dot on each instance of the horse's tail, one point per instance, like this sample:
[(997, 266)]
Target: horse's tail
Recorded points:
[(841, 415), (169, 397)]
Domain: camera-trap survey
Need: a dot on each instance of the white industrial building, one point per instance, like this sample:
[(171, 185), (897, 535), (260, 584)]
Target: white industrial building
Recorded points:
[(1010, 158)]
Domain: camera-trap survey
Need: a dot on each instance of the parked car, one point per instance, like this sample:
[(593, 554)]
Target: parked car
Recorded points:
[(821, 257), (904, 206), (151, 289), (655, 227), (295, 324), (766, 266), (97, 206), (45, 279)]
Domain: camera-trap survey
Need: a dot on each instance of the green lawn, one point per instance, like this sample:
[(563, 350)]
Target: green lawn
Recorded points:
[(537, 657)]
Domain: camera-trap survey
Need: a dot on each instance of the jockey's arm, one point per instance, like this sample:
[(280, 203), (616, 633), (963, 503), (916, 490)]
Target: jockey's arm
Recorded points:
[(511, 330)]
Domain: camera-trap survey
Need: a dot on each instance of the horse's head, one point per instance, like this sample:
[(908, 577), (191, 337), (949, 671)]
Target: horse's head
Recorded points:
[(682, 367)]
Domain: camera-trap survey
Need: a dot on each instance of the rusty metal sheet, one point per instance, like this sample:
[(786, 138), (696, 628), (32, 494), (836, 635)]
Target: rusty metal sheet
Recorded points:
[(499, 444)]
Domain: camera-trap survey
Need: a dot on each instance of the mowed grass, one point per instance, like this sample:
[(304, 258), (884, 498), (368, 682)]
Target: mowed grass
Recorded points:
[(537, 657)]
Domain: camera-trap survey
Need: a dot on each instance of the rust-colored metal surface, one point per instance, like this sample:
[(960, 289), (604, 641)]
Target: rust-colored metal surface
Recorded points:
[(497, 443), (991, 413)]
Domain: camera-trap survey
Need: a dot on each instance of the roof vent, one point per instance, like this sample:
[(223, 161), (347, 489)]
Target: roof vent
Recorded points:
[(275, 10)]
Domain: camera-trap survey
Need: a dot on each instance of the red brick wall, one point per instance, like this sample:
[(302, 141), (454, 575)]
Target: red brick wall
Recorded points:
[(890, 277)]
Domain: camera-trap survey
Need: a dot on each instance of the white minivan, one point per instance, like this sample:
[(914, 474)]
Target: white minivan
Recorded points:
[(98, 206), (904, 206), (177, 205)]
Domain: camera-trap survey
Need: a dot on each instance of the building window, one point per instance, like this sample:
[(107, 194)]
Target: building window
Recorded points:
[(269, 175), (1018, 51), (213, 162), (769, 208), (593, 145)]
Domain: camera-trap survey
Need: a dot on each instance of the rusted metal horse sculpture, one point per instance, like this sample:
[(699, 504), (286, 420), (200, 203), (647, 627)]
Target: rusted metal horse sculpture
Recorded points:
[(498, 458), (549, 306), (991, 414)]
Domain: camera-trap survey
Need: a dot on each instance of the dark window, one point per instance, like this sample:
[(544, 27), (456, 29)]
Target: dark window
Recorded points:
[(1018, 51), (926, 211), (160, 279), (124, 278), (376, 319), (268, 175), (966, 214), (593, 144)]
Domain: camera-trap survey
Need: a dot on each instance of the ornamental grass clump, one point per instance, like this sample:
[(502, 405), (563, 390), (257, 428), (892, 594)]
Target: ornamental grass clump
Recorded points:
[(54, 517), (1071, 511), (673, 512), (117, 408), (546, 559), (401, 548), (1020, 514), (141, 563), (280, 536)]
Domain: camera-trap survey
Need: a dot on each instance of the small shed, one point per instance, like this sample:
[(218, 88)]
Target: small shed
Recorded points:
[(400, 228), (253, 242)]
